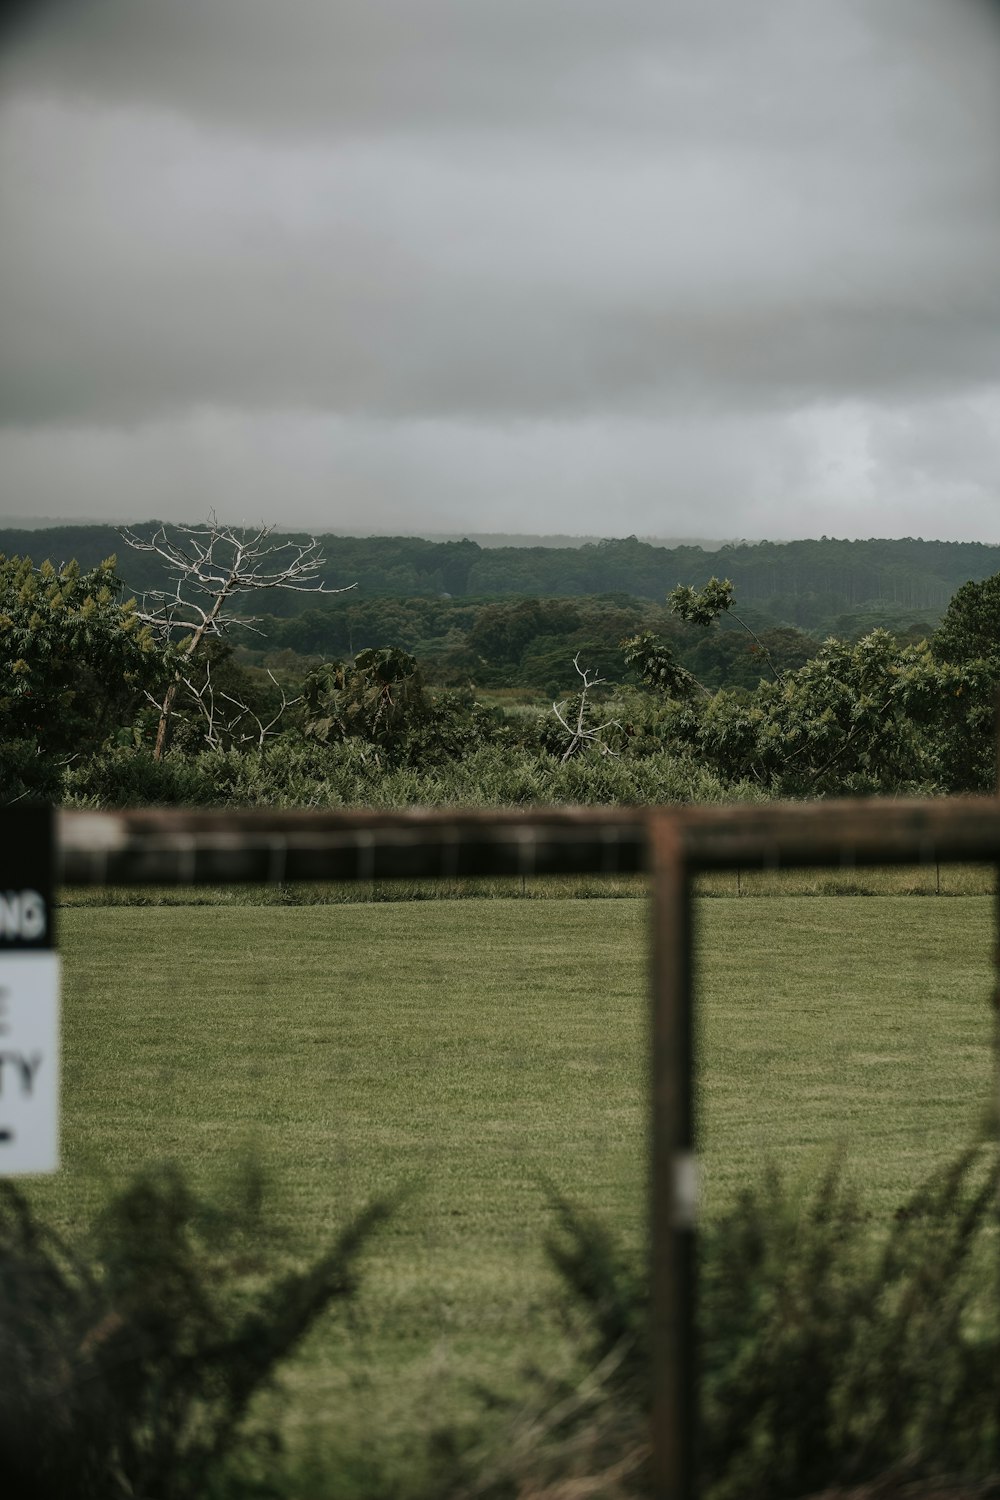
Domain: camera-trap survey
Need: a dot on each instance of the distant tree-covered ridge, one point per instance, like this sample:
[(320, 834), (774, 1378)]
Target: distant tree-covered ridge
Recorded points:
[(808, 584)]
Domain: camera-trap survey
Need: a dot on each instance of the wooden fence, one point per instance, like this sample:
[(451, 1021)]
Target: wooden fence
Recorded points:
[(165, 847)]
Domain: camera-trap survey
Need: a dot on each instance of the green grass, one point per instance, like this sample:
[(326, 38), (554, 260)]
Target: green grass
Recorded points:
[(928, 879), (469, 1049)]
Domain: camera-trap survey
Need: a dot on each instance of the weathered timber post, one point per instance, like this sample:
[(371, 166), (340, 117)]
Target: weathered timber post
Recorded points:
[(673, 1183)]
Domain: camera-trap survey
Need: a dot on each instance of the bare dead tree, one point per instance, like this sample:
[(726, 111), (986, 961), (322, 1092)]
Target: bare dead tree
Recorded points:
[(228, 718), (210, 566), (581, 733)]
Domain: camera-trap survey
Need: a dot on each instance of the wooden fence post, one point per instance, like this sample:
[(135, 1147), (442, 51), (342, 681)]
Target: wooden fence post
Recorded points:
[(673, 1185)]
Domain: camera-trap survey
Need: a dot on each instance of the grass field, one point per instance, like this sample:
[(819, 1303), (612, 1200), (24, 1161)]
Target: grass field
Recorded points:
[(469, 1050), (929, 879)]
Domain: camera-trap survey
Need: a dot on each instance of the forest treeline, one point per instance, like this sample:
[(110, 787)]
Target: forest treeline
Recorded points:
[(810, 585), (104, 701)]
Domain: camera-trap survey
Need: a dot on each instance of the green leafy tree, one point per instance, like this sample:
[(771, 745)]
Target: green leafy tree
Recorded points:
[(655, 664), (75, 660), (378, 697), (874, 716), (502, 632), (655, 660), (970, 628), (730, 658), (953, 705), (843, 722), (704, 606)]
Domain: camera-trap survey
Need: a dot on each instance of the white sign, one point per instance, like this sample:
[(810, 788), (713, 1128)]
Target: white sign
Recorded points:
[(29, 1062)]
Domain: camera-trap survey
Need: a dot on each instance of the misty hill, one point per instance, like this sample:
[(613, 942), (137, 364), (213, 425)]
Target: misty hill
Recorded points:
[(562, 539), (810, 584)]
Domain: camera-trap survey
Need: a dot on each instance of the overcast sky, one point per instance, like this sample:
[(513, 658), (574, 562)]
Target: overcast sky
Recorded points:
[(672, 267)]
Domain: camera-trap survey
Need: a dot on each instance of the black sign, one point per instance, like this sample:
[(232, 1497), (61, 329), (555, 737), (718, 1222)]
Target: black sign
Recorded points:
[(26, 869)]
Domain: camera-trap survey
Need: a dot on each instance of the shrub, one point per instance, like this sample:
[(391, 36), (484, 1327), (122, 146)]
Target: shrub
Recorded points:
[(355, 774), (830, 1353), (131, 1372), (25, 775)]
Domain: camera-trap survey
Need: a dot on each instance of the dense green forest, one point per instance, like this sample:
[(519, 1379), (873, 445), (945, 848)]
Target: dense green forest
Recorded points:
[(812, 585), (525, 644), (394, 702)]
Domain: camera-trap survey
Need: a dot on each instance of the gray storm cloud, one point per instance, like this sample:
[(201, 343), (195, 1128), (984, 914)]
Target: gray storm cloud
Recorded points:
[(383, 66), (619, 262)]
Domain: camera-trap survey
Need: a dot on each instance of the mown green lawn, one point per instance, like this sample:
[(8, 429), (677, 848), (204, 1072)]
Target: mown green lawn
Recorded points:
[(472, 1050)]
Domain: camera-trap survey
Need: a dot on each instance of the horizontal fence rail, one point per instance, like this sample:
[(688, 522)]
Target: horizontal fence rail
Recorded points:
[(848, 832), (164, 847), (181, 847)]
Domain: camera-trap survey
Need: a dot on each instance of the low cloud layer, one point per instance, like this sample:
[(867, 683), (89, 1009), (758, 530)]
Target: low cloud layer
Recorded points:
[(443, 263)]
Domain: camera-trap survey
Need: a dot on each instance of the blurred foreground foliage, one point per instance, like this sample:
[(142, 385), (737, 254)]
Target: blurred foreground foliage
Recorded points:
[(834, 1350), (129, 1370)]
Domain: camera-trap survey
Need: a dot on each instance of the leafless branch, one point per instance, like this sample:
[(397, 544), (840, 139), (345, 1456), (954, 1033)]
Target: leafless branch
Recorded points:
[(262, 730), (581, 733), (222, 725), (204, 699)]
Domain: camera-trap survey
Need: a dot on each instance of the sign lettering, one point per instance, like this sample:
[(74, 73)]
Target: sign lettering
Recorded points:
[(22, 915), (24, 1067)]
